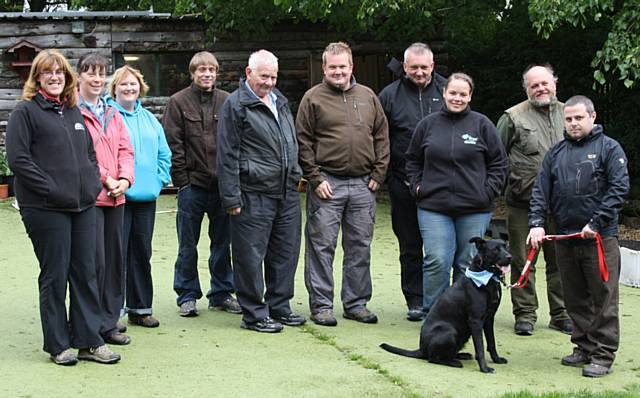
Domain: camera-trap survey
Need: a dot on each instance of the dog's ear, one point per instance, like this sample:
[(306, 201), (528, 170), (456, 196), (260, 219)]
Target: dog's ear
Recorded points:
[(477, 240)]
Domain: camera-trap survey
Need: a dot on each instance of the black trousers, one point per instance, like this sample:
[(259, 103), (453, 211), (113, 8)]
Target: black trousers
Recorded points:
[(139, 220), (591, 303), (65, 245), (110, 265), (404, 220), (266, 230)]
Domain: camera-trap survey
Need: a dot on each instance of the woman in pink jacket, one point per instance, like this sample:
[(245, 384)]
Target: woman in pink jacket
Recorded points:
[(115, 161)]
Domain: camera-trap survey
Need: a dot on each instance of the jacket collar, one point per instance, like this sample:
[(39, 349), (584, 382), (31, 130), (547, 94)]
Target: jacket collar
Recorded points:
[(352, 84), (595, 132), (247, 98), (447, 113), (201, 94)]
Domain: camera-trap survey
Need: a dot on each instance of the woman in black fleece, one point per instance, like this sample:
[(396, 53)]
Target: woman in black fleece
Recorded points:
[(456, 166)]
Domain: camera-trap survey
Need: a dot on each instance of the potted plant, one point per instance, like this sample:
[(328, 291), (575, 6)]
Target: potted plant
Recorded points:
[(6, 176)]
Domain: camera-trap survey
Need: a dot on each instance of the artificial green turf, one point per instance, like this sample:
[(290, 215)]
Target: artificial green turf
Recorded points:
[(210, 356)]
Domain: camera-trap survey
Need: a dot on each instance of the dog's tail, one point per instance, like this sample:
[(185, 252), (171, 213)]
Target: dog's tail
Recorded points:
[(400, 351)]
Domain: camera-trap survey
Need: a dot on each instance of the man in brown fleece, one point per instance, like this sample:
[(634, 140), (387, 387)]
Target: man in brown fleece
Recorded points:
[(344, 153)]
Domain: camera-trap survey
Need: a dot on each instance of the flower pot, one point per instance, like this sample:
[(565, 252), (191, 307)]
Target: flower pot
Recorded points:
[(4, 191)]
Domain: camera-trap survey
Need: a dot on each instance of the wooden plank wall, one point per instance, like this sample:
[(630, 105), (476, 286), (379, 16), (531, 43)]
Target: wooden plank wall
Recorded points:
[(100, 35)]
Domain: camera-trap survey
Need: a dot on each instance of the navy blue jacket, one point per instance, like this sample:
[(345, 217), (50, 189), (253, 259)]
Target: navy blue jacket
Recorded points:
[(581, 182), (457, 161)]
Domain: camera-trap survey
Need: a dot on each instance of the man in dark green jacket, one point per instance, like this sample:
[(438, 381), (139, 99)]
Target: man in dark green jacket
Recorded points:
[(527, 131)]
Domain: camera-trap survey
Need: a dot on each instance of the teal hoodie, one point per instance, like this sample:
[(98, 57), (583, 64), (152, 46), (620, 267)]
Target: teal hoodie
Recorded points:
[(152, 155)]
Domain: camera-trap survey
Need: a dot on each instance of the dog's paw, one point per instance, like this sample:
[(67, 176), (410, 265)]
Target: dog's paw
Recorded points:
[(499, 360), (487, 369)]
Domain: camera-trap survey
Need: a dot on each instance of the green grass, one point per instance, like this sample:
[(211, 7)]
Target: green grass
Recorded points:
[(211, 356)]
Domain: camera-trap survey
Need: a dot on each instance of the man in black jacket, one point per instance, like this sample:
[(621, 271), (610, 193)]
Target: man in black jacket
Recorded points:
[(258, 173), (190, 122), (582, 183), (406, 101)]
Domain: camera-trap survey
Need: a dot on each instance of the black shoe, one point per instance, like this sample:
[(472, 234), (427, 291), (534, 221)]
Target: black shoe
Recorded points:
[(362, 315), (324, 318), (267, 325), (595, 370), (564, 325), (523, 328), (290, 319), (416, 314), (577, 359)]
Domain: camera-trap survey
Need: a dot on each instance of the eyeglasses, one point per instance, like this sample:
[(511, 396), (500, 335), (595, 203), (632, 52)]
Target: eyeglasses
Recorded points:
[(48, 73)]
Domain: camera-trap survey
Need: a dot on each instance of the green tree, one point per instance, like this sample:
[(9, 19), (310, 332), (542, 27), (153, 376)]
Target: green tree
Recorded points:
[(620, 53)]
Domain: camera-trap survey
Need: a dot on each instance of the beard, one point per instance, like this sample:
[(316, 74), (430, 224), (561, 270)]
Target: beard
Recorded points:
[(543, 103)]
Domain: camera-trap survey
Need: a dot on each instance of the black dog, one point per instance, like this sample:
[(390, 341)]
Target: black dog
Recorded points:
[(464, 310)]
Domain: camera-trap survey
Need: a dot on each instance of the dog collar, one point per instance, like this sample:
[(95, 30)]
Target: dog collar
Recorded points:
[(481, 278)]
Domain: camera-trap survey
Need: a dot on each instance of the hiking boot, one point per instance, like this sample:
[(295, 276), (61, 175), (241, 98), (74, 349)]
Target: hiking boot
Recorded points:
[(362, 315), (523, 328), (146, 321), (324, 318), (595, 370), (100, 354), (267, 325), (229, 304), (188, 309), (290, 319), (564, 325), (416, 314), (117, 338), (577, 359), (65, 358), (121, 327)]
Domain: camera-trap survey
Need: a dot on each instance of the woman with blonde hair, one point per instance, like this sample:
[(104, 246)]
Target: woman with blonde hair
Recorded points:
[(57, 182), (152, 161)]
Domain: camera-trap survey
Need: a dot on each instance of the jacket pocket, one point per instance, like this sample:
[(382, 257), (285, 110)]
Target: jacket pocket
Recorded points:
[(520, 181), (586, 179), (529, 141)]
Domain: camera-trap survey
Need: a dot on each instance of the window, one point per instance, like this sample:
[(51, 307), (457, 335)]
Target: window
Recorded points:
[(165, 73)]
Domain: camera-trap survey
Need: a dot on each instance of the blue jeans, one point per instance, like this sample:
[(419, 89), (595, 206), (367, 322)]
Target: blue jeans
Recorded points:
[(193, 203), (446, 246)]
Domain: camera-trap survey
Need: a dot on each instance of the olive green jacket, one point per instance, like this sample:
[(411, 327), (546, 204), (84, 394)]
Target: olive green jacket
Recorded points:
[(527, 133)]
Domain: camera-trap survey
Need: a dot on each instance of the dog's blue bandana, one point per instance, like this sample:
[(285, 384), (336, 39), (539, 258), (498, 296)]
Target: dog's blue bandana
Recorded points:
[(479, 278)]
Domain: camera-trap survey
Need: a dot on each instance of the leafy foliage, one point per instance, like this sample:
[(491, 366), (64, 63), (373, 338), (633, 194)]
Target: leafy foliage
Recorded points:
[(620, 53)]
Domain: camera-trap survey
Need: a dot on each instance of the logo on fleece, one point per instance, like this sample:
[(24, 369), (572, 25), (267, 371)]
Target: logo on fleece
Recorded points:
[(469, 139), (79, 127)]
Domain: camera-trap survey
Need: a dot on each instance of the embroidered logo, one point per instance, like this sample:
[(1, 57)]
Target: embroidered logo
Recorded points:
[(469, 139), (79, 126), (591, 156), (621, 160)]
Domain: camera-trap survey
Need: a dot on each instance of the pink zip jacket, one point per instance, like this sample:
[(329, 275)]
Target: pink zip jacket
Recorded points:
[(113, 151)]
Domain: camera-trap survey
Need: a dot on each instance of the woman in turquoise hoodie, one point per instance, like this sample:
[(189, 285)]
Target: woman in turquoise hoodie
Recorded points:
[(152, 158)]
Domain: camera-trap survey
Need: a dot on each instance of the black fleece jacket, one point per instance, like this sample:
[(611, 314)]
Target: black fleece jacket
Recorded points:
[(51, 153), (455, 163), (405, 104)]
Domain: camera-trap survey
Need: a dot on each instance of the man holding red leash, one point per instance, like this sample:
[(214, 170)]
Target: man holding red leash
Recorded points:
[(582, 183)]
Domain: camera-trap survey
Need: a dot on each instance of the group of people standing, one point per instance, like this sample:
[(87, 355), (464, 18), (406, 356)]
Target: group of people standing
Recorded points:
[(242, 159), (78, 157)]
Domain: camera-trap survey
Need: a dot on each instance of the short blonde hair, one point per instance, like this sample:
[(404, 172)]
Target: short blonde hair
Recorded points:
[(337, 48), (43, 61), (120, 73), (202, 58)]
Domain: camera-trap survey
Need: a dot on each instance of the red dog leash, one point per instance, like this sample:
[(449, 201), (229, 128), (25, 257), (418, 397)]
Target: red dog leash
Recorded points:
[(524, 276)]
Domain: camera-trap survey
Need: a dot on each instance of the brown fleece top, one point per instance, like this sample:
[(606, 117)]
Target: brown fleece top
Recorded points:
[(344, 133)]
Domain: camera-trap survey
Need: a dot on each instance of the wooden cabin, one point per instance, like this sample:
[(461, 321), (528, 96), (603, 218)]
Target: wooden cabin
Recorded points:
[(161, 46)]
